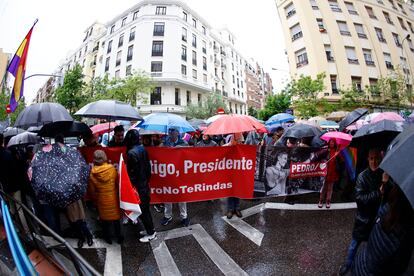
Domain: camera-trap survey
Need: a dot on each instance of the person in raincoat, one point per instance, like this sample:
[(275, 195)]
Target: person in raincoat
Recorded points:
[(102, 182)]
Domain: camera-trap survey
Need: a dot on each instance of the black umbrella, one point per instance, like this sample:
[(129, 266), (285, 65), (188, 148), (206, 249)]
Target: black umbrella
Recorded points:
[(67, 129), (25, 138), (299, 131), (377, 135), (196, 123), (12, 131), (110, 110), (60, 175), (41, 114), (399, 160), (352, 117)]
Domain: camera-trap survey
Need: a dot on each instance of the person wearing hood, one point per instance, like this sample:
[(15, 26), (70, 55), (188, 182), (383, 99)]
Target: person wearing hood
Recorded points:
[(206, 142), (139, 172), (102, 182)]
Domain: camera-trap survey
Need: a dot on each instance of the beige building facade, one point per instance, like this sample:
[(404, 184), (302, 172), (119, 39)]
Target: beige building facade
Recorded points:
[(354, 42), (4, 61)]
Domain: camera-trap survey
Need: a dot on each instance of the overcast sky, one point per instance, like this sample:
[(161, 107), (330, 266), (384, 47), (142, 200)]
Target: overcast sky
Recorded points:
[(62, 23)]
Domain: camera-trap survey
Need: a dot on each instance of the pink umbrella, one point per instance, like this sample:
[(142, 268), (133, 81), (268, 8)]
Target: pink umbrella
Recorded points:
[(392, 116), (341, 139), (102, 128)]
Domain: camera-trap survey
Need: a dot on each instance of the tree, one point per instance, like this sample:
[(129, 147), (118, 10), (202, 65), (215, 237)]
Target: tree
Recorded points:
[(394, 89), (4, 101), (275, 104), (351, 98), (70, 94), (252, 112), (207, 108)]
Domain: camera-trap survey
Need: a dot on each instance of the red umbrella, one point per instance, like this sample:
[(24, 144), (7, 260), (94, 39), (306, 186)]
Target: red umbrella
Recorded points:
[(341, 139), (234, 124), (103, 128)]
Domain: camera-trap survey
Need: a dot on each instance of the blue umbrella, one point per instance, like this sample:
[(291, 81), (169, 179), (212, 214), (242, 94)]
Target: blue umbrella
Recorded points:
[(329, 124), (280, 118), (162, 122)]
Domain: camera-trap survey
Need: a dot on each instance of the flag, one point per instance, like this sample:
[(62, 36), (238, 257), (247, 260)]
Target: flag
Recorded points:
[(349, 155), (17, 69), (128, 196)]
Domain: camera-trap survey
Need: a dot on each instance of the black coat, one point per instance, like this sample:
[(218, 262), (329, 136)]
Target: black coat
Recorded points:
[(8, 171), (385, 253), (368, 199), (139, 169)]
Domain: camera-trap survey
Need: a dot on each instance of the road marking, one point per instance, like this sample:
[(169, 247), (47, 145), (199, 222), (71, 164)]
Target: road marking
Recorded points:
[(255, 235), (113, 258), (166, 263)]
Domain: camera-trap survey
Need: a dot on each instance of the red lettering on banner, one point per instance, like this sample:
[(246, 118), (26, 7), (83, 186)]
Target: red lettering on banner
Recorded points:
[(306, 169)]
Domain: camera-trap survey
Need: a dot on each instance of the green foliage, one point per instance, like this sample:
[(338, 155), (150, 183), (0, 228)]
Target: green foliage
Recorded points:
[(351, 98), (394, 89), (5, 100), (70, 93), (208, 108), (275, 104), (252, 112)]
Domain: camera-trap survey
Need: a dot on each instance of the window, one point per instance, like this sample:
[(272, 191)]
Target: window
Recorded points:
[(183, 53), (130, 52), (188, 94), (373, 87), (396, 39), (194, 74), (351, 55), (184, 16), (314, 5), (333, 84), (334, 6), (321, 25), (109, 47), (194, 58), (204, 47), (112, 29), (410, 44), (160, 10), (360, 30), (156, 96), (183, 70), (128, 70), (194, 41), (156, 66), (199, 99), (368, 57), (402, 23), (123, 21), (410, 26), (402, 9), (157, 48), (159, 28), (343, 28), (205, 78), (290, 10), (392, 4), (328, 52), (301, 58), (184, 35), (370, 12), (234, 80), (117, 74), (296, 32), (380, 35), (380, 2), (232, 66), (132, 34), (121, 40), (356, 82), (195, 23), (388, 18), (177, 96), (135, 16), (118, 58), (107, 64), (204, 63), (388, 61), (350, 7), (204, 30), (403, 62)]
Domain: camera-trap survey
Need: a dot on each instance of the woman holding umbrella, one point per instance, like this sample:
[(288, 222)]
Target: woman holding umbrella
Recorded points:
[(331, 176)]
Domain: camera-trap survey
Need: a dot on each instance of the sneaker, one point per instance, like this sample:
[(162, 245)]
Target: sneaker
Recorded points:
[(238, 213), (158, 208), (143, 233), (229, 214), (328, 205), (165, 221), (148, 238), (343, 270), (320, 204), (185, 222)]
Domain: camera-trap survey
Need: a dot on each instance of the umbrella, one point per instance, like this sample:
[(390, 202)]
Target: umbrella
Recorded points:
[(371, 116), (34, 129), (316, 120), (42, 113), (300, 131), (280, 118), (234, 123), (67, 129), (398, 162), (162, 122), (3, 125), (391, 116), (352, 117), (196, 123), (104, 127), (60, 175), (213, 118), (337, 115), (12, 131), (25, 138), (110, 110), (328, 124), (341, 139), (379, 134)]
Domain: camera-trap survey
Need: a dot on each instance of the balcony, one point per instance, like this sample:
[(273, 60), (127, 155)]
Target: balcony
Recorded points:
[(354, 12), (204, 50), (389, 21), (223, 53), (361, 35), (216, 49), (315, 7), (381, 39), (129, 58), (223, 66), (373, 16), (346, 33), (353, 61), (297, 35), (290, 13), (370, 63), (118, 62), (96, 48), (302, 63), (398, 44), (184, 57), (336, 9), (389, 65), (156, 74), (330, 58), (184, 38)]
